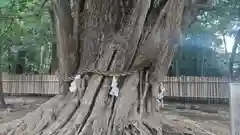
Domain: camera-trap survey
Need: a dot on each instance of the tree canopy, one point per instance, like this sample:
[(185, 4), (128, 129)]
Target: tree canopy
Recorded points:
[(205, 47)]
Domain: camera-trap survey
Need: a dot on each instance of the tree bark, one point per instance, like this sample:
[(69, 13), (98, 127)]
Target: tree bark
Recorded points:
[(2, 101), (233, 55), (66, 50), (54, 62), (131, 39), (226, 53), (20, 65)]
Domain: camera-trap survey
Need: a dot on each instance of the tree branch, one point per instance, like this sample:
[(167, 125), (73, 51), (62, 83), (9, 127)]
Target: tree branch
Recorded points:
[(44, 3), (205, 7), (6, 30)]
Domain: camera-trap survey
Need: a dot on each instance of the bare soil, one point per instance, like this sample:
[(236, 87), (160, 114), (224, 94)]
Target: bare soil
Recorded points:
[(196, 119), (199, 119), (19, 107)]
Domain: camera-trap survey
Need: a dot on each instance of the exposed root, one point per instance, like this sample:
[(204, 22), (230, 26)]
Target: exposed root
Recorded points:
[(11, 132), (47, 118), (63, 117), (88, 101), (81, 114), (143, 95), (31, 119), (124, 103), (93, 112), (97, 122)]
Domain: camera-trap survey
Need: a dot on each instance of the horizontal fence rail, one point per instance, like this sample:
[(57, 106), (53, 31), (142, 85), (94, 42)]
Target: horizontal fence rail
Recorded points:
[(179, 87)]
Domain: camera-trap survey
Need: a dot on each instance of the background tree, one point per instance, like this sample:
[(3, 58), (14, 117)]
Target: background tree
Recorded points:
[(209, 32), (26, 36), (2, 100)]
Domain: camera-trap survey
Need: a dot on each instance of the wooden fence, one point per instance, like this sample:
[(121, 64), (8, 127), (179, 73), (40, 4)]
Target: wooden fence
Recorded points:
[(198, 88), (30, 84), (195, 87)]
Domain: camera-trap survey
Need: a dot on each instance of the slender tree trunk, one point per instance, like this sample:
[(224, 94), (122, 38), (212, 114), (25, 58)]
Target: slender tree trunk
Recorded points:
[(202, 63), (2, 101), (178, 61), (233, 55), (225, 46), (226, 53), (20, 65), (132, 40), (54, 62)]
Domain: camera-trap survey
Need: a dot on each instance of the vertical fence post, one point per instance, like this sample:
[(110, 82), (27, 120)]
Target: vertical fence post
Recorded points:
[(235, 108)]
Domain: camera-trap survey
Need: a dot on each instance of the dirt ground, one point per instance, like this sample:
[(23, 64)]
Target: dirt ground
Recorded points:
[(19, 107), (192, 119), (198, 119)]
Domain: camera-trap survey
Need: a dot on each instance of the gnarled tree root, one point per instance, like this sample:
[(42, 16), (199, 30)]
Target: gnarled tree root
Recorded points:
[(92, 112)]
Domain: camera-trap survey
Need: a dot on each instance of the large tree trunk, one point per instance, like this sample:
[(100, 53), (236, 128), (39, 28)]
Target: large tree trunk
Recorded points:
[(130, 39)]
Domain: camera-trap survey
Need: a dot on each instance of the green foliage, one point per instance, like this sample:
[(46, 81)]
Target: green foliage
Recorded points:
[(4, 3), (196, 58), (25, 27), (205, 35), (220, 20)]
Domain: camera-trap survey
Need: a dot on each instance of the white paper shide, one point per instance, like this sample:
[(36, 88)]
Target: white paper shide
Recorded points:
[(115, 90), (73, 85)]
